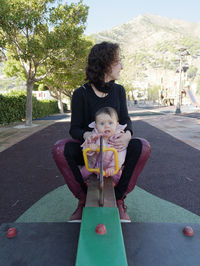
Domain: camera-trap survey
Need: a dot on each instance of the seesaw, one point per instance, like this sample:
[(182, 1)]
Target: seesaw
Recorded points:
[(140, 244), (101, 239)]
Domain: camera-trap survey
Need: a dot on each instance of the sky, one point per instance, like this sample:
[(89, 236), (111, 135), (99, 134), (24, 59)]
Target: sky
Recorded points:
[(105, 14)]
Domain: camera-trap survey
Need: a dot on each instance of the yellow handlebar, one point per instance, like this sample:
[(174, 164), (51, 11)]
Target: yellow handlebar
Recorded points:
[(98, 150)]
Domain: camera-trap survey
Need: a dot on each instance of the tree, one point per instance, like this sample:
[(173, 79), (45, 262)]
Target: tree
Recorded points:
[(69, 70), (153, 92), (35, 33)]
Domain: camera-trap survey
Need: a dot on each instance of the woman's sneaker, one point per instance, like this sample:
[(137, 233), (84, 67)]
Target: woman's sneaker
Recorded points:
[(124, 218)]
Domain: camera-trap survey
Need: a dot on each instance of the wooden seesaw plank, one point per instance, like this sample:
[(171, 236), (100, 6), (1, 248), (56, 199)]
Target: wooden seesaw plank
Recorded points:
[(95, 249), (92, 199)]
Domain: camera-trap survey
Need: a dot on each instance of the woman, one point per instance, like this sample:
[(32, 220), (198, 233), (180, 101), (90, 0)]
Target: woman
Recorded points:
[(104, 66)]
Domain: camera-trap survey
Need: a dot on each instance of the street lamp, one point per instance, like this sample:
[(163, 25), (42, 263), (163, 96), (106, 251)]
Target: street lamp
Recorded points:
[(182, 53)]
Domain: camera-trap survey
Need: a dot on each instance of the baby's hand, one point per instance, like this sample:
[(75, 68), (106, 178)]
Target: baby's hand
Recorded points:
[(109, 172), (92, 138), (95, 137)]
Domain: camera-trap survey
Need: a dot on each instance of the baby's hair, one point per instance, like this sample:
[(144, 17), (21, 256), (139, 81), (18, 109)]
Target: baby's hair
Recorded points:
[(107, 110)]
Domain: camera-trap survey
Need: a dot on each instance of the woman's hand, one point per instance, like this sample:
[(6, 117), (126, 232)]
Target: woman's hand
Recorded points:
[(121, 141)]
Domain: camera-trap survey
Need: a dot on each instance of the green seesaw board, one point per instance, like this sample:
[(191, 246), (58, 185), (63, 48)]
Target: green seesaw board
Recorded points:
[(101, 250)]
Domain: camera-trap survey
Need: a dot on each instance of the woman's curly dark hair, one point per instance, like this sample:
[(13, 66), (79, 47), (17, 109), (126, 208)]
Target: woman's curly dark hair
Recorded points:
[(101, 57)]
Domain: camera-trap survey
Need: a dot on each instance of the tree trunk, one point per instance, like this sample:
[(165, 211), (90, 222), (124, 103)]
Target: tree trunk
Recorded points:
[(29, 87), (60, 104)]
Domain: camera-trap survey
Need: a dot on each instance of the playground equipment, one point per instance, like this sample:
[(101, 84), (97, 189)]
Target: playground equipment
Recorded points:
[(100, 170), (62, 243), (191, 96), (106, 248)]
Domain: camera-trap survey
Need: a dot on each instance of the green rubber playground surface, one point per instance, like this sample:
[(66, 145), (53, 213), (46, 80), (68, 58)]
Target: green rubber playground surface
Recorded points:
[(58, 205)]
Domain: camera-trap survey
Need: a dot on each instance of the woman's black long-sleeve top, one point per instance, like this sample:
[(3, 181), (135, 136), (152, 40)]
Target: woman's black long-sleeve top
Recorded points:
[(85, 103)]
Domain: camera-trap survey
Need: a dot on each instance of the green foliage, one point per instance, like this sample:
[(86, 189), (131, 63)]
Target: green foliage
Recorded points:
[(153, 92), (35, 87), (198, 86), (192, 44), (37, 33), (69, 69), (44, 108), (13, 107), (167, 46), (16, 93), (12, 67), (192, 71), (42, 87)]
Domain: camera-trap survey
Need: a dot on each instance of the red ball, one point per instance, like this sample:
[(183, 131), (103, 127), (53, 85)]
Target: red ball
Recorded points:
[(12, 232), (101, 229), (188, 231)]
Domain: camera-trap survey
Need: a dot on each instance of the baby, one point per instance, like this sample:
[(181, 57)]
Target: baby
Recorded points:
[(106, 124)]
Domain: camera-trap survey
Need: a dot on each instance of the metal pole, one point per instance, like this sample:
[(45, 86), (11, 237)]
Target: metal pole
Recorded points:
[(101, 196), (178, 104)]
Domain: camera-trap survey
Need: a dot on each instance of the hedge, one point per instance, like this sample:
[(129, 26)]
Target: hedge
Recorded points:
[(13, 108)]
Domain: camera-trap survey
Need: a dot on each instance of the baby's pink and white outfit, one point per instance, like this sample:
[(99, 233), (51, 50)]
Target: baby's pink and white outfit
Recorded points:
[(108, 156)]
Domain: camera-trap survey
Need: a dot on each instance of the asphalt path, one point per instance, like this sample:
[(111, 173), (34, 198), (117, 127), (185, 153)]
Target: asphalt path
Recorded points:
[(28, 171)]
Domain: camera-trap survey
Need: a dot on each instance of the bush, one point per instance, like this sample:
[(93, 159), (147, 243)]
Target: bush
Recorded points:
[(44, 108), (13, 107)]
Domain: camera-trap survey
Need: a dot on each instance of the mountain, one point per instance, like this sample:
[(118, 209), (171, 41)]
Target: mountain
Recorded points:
[(145, 31), (150, 48)]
